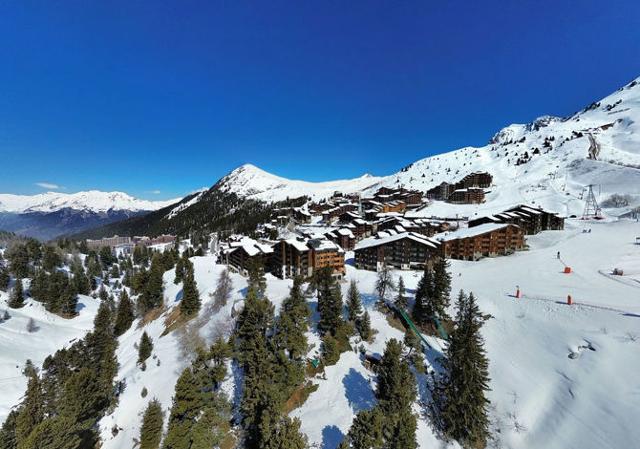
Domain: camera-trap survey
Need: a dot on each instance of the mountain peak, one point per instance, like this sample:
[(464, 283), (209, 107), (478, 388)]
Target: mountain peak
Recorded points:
[(90, 200)]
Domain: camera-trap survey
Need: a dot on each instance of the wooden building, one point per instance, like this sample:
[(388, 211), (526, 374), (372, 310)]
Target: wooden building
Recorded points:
[(241, 253), (404, 251), (486, 240), (300, 257), (470, 195), (532, 220), (343, 237)]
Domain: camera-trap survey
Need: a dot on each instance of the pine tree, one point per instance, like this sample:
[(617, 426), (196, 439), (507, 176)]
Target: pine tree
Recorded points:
[(16, 300), (18, 258), (354, 303), (384, 283), (422, 313), (257, 279), (179, 271), (8, 439), (31, 412), (364, 326), (190, 304), (293, 323), (58, 432), (287, 435), (461, 406), (441, 288), (151, 430), (50, 258), (367, 430), (153, 289), (4, 278), (124, 314), (80, 279), (69, 300), (329, 303), (144, 349), (401, 297)]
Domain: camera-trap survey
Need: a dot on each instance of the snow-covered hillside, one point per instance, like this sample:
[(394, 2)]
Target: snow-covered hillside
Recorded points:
[(17, 344), (540, 396), (92, 200), (547, 162)]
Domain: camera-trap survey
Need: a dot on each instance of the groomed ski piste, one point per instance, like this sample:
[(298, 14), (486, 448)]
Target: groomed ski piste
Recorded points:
[(561, 375)]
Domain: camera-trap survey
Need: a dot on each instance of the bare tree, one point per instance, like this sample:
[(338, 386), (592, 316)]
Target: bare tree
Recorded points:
[(385, 282)]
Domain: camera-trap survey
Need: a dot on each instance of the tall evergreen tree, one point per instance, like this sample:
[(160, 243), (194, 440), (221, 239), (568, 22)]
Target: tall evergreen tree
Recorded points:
[(50, 258), (422, 312), (401, 297), (190, 303), (293, 323), (80, 279), (441, 288), (354, 303), (286, 434), (145, 347), (31, 411), (257, 279), (16, 300), (124, 314), (461, 406), (153, 289), (151, 429), (4, 278), (364, 326), (329, 302), (18, 258), (69, 300)]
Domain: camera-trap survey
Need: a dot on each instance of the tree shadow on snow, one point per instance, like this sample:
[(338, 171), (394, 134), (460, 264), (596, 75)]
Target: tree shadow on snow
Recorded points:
[(331, 437), (368, 299), (358, 391), (178, 296), (79, 307)]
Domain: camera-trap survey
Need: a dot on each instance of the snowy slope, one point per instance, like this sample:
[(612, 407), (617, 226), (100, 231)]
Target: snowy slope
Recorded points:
[(17, 345), (92, 200), (253, 182), (556, 165)]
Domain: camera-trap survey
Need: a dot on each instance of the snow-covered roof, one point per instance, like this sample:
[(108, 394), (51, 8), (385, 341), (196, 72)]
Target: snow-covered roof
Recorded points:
[(384, 238), (324, 245), (464, 233)]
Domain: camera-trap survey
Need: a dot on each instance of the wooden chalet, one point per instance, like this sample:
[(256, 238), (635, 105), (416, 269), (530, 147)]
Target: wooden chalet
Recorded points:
[(406, 250), (486, 240), (532, 220), (300, 257), (343, 237), (470, 195), (239, 255)]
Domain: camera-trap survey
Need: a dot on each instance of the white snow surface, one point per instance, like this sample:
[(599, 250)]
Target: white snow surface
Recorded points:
[(17, 344), (92, 200)]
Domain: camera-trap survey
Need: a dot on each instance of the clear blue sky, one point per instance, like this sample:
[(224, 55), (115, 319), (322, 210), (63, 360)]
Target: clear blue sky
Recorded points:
[(147, 96)]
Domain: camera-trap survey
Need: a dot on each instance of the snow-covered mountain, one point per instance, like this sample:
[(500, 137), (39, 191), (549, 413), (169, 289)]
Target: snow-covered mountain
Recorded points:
[(92, 200), (49, 215), (548, 161), (253, 182)]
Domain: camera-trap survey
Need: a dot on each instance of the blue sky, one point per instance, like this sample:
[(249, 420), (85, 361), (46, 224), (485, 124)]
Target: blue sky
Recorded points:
[(160, 98)]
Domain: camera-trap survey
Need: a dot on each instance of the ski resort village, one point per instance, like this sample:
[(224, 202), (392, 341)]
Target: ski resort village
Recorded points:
[(485, 297)]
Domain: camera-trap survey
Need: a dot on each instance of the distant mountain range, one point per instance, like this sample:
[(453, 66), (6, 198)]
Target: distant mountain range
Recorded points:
[(52, 214), (548, 162)]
